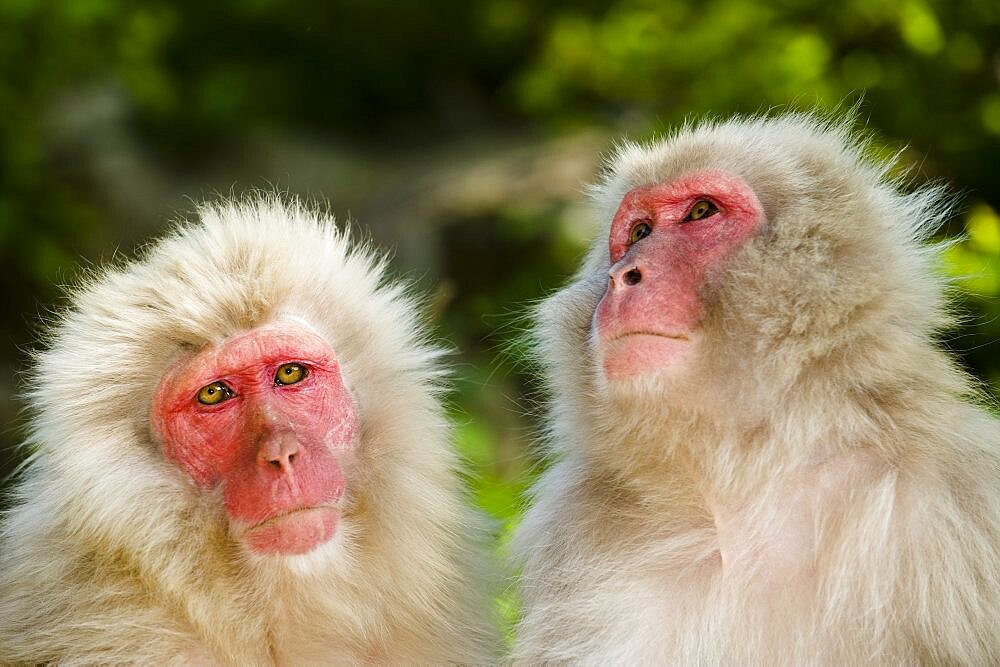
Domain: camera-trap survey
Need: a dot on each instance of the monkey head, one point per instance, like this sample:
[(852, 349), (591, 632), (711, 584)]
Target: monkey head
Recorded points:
[(734, 257), (256, 374)]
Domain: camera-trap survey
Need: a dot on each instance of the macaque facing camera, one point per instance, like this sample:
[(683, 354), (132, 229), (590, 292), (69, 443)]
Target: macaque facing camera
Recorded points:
[(240, 457)]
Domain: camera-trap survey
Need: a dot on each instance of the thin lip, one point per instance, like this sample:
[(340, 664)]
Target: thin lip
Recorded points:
[(658, 334), (273, 519)]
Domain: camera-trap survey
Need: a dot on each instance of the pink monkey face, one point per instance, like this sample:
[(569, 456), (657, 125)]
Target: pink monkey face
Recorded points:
[(665, 240), (265, 416)]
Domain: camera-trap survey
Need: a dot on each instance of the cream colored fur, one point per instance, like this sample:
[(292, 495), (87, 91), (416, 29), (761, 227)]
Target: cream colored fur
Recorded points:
[(821, 488), (111, 555)]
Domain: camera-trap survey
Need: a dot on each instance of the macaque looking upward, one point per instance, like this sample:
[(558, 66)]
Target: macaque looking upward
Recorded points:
[(241, 458), (761, 453)]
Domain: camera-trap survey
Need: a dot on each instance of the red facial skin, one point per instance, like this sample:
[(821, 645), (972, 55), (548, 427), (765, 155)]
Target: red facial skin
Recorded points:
[(272, 448), (650, 315)]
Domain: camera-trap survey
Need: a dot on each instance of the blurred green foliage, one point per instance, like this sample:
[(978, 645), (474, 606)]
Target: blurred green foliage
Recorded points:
[(194, 82)]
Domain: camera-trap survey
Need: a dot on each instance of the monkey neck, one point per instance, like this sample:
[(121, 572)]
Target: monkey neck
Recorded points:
[(721, 461), (736, 500)]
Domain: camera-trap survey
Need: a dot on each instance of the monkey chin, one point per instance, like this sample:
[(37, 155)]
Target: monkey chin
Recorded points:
[(293, 533), (633, 355)]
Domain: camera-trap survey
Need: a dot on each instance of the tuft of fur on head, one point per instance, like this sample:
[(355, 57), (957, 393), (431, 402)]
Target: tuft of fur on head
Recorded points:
[(405, 574)]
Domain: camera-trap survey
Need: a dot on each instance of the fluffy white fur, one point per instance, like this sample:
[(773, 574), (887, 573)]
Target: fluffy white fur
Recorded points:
[(111, 555), (821, 488)]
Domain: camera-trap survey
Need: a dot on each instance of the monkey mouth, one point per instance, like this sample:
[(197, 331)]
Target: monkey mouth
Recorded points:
[(643, 352), (285, 515), (656, 334), (297, 531)]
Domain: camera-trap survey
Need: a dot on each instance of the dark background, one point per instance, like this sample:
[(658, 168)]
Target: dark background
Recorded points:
[(460, 134)]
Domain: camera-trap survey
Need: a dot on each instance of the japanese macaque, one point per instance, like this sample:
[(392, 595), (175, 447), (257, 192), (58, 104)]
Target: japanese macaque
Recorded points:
[(241, 458), (762, 455)]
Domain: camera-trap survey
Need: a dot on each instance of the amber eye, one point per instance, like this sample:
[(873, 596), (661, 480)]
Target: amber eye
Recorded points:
[(214, 393), (701, 209), (290, 374), (639, 231)]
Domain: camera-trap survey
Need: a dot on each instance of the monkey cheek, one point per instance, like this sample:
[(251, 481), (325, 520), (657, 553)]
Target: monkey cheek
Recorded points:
[(295, 533), (639, 354)]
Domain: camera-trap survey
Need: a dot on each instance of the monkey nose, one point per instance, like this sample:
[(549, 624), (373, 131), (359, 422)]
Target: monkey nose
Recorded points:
[(628, 275), (278, 451)]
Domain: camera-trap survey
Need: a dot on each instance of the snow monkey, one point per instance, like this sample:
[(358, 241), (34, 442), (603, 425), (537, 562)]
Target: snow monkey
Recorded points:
[(761, 453), (240, 457)]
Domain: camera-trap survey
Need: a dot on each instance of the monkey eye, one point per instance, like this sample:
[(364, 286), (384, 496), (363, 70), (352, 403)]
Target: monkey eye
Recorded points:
[(702, 208), (290, 374), (217, 392), (639, 231)]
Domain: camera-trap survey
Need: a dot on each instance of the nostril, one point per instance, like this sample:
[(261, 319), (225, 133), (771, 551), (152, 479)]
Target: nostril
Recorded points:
[(633, 276), (282, 460)]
